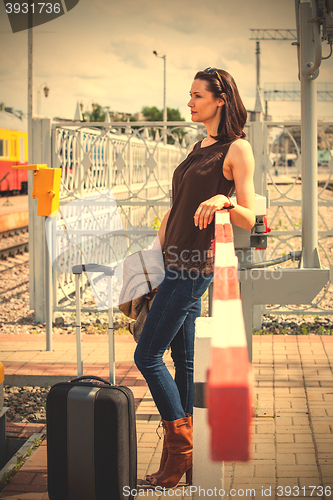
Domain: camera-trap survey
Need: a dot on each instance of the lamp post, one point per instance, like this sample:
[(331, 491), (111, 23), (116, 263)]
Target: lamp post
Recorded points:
[(46, 93), (165, 117)]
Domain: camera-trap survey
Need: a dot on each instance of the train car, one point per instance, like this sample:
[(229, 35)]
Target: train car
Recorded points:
[(13, 151)]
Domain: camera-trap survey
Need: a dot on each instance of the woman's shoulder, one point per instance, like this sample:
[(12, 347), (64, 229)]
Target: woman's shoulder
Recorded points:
[(241, 145), (240, 148), (240, 155)]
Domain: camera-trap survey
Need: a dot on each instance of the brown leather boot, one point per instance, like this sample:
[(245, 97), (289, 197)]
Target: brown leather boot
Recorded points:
[(179, 446), (164, 455)]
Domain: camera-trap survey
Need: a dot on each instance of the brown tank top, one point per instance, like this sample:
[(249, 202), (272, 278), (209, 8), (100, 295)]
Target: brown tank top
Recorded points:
[(198, 178)]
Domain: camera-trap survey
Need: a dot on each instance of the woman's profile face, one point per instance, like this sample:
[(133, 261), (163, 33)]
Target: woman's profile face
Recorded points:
[(203, 105)]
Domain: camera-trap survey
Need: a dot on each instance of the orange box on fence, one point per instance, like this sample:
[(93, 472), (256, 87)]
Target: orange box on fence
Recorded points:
[(46, 188)]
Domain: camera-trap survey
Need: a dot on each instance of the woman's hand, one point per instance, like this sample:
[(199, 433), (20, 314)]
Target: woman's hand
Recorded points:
[(205, 212)]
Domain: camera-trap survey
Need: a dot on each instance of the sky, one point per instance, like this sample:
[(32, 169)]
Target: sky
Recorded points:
[(102, 51)]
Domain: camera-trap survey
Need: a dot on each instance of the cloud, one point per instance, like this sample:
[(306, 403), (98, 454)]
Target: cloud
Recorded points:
[(132, 50), (102, 51)]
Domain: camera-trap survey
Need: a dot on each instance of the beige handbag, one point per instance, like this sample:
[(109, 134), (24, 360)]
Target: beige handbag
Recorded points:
[(139, 307)]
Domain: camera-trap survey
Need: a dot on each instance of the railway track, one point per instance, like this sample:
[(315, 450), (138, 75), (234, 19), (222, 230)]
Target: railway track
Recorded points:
[(14, 244), (14, 232), (13, 250)]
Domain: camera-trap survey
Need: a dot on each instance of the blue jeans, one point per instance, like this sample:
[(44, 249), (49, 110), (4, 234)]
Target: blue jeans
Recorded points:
[(170, 322)]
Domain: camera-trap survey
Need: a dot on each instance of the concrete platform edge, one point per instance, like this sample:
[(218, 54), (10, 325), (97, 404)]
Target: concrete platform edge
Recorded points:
[(20, 453), (36, 380)]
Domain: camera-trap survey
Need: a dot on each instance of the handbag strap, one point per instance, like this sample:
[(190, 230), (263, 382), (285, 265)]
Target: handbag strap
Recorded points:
[(145, 271)]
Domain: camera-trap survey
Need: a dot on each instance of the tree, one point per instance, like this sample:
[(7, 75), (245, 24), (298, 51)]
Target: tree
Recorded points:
[(154, 114), (97, 115), (174, 115)]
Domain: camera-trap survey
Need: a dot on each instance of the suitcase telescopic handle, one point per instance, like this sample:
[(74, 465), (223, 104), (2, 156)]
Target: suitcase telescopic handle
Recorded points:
[(91, 377), (109, 272), (98, 268)]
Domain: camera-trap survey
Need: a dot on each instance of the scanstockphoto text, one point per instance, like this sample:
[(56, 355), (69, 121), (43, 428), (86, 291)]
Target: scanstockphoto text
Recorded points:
[(181, 263), (223, 252), (253, 274), (263, 491)]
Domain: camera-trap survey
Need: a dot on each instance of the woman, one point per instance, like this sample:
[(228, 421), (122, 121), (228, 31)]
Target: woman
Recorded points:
[(202, 184)]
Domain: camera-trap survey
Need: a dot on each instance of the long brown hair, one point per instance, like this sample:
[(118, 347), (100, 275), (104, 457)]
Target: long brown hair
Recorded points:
[(234, 114)]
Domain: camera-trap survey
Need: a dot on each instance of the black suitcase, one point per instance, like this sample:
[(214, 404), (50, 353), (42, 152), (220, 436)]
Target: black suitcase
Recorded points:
[(91, 432)]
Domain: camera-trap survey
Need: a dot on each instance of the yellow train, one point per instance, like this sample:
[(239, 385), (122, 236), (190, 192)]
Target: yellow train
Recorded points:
[(13, 151)]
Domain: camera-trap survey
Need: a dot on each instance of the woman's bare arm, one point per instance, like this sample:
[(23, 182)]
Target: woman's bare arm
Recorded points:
[(242, 168), (240, 162)]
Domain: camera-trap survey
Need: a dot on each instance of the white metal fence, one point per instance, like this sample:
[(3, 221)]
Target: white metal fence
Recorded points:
[(281, 169), (135, 164), (99, 165)]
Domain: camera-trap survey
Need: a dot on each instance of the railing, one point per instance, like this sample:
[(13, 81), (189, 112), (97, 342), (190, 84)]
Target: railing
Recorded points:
[(282, 173), (133, 163), (111, 181)]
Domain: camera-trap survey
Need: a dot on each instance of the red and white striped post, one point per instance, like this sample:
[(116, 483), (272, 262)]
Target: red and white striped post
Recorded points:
[(229, 377)]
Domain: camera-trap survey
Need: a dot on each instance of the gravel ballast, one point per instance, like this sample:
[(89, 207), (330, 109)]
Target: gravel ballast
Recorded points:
[(26, 404)]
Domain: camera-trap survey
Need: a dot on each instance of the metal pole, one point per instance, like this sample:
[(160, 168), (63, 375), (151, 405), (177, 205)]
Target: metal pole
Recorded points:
[(48, 286), (165, 115), (112, 371), (308, 139), (78, 327), (30, 84), (38, 102), (30, 161), (258, 63), (266, 110)]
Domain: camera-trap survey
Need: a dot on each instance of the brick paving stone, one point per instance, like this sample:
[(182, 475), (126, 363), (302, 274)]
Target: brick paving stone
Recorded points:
[(283, 403), (25, 488), (293, 435), (305, 459), (265, 471), (299, 404), (297, 470), (303, 438), (144, 457), (148, 438), (306, 482), (260, 496), (322, 428), (295, 448), (23, 478), (287, 481), (303, 497), (40, 479), (326, 471), (266, 427), (10, 495), (284, 438), (283, 420), (244, 469), (285, 459), (263, 448), (315, 396), (294, 429)]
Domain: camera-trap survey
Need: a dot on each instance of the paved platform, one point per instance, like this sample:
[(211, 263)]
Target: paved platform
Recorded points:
[(12, 204), (292, 432), (13, 212)]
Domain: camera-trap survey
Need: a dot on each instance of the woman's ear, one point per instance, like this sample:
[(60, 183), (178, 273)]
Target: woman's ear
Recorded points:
[(222, 99)]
